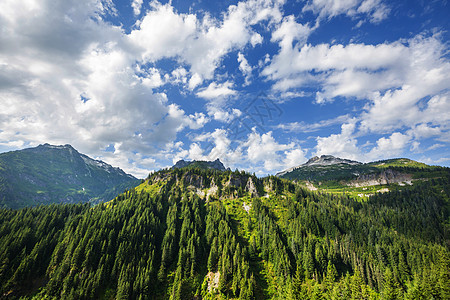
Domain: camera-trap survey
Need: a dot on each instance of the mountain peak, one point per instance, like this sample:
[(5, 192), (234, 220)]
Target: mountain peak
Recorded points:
[(202, 164), (49, 146), (323, 160), (327, 160), (57, 174)]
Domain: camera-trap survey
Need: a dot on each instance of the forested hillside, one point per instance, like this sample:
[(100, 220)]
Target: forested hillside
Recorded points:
[(207, 234)]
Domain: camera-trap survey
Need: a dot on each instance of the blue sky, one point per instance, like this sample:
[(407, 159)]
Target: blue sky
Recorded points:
[(262, 85)]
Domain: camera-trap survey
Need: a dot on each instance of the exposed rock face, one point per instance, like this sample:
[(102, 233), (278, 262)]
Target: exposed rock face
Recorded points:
[(235, 181), (324, 160), (268, 187), (251, 188), (387, 176), (194, 180)]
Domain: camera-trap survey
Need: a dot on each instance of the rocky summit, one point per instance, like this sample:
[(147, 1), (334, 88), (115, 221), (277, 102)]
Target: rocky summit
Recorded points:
[(324, 160), (327, 160), (201, 164)]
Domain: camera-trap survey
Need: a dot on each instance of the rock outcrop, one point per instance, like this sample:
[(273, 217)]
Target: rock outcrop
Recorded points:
[(387, 176)]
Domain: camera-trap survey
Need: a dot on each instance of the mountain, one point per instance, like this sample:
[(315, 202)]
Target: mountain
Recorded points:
[(57, 174), (189, 233), (201, 164), (334, 174), (324, 160)]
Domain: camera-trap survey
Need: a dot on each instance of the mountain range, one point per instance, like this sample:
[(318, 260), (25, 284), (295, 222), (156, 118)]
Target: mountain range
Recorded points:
[(57, 174), (60, 174)]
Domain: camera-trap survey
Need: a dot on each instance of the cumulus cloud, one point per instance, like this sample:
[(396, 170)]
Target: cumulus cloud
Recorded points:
[(290, 35), (404, 83), (305, 127), (256, 39), (274, 156), (342, 70), (427, 74), (374, 10), (200, 43), (216, 144), (217, 90), (69, 76), (136, 5), (92, 85), (342, 145), (389, 147), (244, 67)]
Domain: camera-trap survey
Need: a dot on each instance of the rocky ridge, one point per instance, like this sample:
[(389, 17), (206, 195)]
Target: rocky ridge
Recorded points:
[(323, 160), (202, 164)]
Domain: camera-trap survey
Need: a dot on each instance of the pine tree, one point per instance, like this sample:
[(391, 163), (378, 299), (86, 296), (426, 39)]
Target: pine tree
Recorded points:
[(390, 286), (444, 275)]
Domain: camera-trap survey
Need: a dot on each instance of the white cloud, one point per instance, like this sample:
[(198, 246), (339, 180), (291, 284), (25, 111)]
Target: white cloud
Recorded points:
[(338, 65), (342, 145), (304, 127), (435, 146), (68, 76), (195, 80), (244, 67), (164, 33), (389, 147), (405, 83), (256, 39), (294, 157), (216, 90), (216, 144), (264, 149), (136, 5), (425, 131), (375, 10), (179, 75), (290, 31), (220, 114)]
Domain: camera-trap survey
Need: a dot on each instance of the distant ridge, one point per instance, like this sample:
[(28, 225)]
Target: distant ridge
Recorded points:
[(328, 171), (324, 160), (201, 164)]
